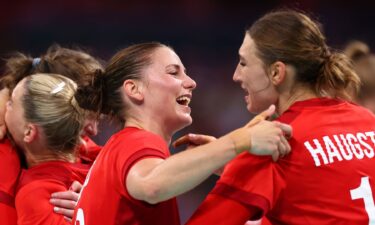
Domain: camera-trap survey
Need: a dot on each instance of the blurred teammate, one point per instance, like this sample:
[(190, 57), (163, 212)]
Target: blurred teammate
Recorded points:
[(74, 64), (364, 65)]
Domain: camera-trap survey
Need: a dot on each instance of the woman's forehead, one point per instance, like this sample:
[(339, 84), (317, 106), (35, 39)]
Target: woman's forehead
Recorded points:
[(165, 55), (18, 89)]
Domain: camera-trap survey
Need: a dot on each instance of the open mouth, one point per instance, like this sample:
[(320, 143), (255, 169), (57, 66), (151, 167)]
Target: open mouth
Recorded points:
[(184, 100), (245, 90)]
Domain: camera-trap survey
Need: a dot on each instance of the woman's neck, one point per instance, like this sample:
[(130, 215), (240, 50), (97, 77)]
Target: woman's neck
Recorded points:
[(149, 125), (36, 158), (299, 93)]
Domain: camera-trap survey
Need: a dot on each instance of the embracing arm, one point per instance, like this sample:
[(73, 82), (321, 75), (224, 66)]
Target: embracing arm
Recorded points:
[(155, 180)]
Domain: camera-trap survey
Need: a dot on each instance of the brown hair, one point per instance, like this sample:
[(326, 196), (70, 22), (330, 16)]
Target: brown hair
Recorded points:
[(74, 64), (104, 95), (364, 64), (295, 39)]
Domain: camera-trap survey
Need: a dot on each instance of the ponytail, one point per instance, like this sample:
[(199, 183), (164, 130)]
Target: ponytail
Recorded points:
[(337, 78)]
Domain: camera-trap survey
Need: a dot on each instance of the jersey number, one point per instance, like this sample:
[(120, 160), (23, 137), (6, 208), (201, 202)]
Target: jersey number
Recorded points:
[(364, 192)]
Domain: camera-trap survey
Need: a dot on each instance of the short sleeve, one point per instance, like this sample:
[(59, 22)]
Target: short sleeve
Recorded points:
[(33, 206), (253, 181), (142, 145)]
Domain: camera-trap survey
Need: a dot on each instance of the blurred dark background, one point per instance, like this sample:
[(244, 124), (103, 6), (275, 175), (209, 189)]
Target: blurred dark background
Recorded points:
[(206, 35)]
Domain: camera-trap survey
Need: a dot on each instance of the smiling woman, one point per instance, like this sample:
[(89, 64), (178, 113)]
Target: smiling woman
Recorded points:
[(134, 179), (258, 88), (329, 176)]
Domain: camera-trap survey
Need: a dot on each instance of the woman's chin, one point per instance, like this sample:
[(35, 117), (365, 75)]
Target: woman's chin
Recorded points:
[(184, 122)]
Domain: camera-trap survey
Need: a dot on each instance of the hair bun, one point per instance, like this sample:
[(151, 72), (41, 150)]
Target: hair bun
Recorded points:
[(90, 94)]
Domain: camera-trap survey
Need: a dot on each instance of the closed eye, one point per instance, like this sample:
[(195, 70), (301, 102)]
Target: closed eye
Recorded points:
[(173, 73)]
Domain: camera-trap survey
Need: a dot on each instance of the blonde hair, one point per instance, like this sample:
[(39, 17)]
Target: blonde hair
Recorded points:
[(50, 103)]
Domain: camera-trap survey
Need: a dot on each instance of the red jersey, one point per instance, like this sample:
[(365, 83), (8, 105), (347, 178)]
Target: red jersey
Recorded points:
[(88, 151), (9, 171), (328, 178), (36, 186), (104, 198)]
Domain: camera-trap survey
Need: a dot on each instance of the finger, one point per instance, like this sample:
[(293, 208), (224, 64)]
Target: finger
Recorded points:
[(287, 146), (76, 187), (200, 139), (287, 129), (181, 141), (62, 203), (262, 116), (68, 213), (268, 112), (275, 156), (283, 146), (68, 219), (65, 195), (193, 139)]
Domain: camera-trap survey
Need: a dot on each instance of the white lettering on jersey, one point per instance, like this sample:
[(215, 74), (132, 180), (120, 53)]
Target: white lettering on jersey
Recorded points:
[(315, 152), (369, 152), (346, 153), (354, 146), (338, 147), (80, 216), (331, 150), (364, 192)]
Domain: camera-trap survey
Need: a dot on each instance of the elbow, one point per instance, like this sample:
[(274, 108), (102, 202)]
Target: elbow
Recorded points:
[(149, 189), (149, 192), (152, 193)]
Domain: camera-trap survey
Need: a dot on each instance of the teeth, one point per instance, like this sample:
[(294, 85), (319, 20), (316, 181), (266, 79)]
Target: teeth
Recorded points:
[(184, 99)]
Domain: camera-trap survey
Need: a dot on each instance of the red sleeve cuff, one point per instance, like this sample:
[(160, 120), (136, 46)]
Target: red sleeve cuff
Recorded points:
[(7, 199), (247, 199), (144, 153), (141, 154)]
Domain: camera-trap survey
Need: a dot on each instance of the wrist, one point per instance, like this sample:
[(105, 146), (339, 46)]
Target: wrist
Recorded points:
[(240, 139)]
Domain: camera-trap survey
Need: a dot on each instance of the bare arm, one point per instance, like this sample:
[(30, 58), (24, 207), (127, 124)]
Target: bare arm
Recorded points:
[(154, 180), (194, 140)]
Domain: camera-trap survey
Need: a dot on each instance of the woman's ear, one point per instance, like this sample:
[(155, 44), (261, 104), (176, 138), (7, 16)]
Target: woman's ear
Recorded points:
[(278, 73), (30, 134), (134, 90)]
